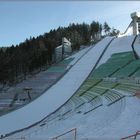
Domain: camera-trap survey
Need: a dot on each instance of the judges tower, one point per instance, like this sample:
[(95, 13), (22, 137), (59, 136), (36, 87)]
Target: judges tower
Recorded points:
[(136, 22)]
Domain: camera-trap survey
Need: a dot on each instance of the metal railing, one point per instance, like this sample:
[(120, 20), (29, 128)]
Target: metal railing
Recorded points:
[(132, 45), (134, 136), (74, 130)]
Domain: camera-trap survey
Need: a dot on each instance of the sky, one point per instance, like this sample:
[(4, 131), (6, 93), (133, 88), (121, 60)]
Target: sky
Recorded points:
[(24, 19)]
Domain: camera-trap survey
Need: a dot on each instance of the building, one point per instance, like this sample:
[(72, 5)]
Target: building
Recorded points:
[(136, 22), (63, 50)]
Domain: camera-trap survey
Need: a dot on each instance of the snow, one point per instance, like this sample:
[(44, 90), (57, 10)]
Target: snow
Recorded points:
[(122, 44), (42, 77), (127, 123), (56, 96), (106, 122), (78, 55)]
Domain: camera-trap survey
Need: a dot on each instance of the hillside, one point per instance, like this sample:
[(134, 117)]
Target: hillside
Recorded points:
[(35, 54)]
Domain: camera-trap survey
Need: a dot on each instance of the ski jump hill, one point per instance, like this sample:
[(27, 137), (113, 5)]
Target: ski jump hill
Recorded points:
[(97, 97)]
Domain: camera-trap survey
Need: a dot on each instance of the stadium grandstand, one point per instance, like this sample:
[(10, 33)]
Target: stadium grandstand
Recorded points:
[(93, 94)]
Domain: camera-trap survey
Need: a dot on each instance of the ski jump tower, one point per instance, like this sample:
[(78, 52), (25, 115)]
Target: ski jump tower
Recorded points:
[(134, 26), (136, 22)]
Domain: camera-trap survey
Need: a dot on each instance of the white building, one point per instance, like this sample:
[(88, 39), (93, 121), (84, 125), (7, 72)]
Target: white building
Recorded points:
[(63, 50), (136, 22)]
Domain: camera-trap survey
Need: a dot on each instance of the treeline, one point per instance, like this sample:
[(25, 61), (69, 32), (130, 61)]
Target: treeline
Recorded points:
[(35, 54)]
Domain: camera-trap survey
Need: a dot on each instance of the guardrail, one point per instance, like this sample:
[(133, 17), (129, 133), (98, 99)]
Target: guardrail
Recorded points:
[(61, 135), (134, 136), (132, 45)]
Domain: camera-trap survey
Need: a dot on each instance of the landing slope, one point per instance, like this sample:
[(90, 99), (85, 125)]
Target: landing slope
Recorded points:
[(55, 96)]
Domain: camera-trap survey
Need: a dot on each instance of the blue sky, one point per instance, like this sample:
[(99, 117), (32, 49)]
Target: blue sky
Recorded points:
[(20, 20)]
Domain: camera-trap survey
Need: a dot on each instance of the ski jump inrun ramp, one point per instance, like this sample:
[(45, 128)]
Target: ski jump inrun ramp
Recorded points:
[(59, 93)]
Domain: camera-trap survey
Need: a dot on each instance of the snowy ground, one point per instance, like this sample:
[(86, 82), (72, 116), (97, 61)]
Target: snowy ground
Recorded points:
[(121, 44), (106, 122), (78, 55), (109, 122), (55, 96)]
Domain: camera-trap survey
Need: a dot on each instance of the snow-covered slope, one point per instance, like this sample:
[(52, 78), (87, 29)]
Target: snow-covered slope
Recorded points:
[(88, 125), (110, 122), (128, 122), (78, 56), (121, 44), (38, 82), (55, 96), (107, 122)]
